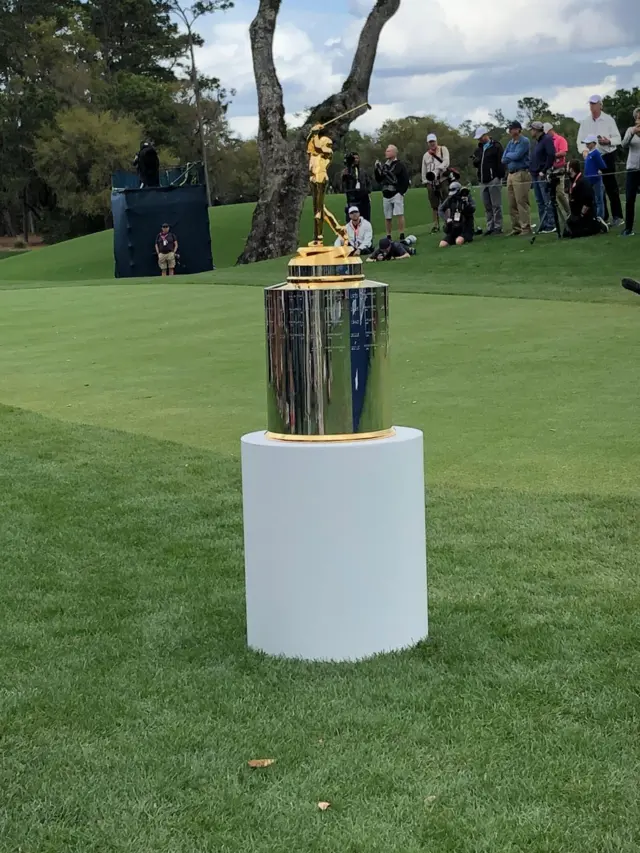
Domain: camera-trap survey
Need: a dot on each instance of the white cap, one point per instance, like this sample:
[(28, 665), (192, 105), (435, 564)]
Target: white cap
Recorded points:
[(432, 138), (547, 126), (454, 187), (480, 132), (590, 138), (595, 99), (354, 209)]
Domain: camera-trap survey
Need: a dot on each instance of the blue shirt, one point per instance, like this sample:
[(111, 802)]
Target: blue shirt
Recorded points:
[(593, 165), (516, 155)]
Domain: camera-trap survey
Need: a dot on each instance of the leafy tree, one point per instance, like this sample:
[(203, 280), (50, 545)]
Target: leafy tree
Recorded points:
[(79, 153), (621, 106)]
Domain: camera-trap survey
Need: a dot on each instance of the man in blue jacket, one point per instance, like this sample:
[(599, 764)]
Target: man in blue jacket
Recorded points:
[(543, 157), (516, 159)]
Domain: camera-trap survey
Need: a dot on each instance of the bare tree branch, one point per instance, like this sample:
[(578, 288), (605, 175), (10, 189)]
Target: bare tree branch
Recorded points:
[(283, 169)]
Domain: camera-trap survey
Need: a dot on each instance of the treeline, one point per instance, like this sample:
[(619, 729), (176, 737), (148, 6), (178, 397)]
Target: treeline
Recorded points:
[(82, 82)]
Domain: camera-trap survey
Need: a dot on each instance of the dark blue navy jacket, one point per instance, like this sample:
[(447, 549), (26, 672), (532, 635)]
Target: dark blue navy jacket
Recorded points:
[(543, 154)]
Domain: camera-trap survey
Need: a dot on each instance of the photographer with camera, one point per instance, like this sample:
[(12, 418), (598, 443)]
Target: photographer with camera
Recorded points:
[(458, 211), (359, 233), (390, 250), (394, 179), (435, 176), (488, 161), (356, 185), (583, 221)]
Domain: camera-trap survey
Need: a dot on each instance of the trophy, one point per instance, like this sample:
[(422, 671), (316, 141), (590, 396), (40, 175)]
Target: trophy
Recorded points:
[(334, 520), (328, 370)]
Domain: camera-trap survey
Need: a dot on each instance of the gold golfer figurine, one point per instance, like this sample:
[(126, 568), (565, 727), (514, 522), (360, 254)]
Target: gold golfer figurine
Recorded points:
[(320, 151)]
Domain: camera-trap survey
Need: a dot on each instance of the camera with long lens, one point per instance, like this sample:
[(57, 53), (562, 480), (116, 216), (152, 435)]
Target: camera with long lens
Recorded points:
[(350, 161), (554, 177), (431, 178)]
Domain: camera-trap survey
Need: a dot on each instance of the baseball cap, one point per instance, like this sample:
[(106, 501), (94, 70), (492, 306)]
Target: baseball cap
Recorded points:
[(595, 99), (480, 132), (354, 209), (536, 125), (432, 138), (590, 138), (166, 225), (515, 125), (547, 126), (454, 187)]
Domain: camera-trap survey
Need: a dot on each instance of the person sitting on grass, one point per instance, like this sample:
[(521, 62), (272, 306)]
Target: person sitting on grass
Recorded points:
[(389, 250), (166, 248), (359, 233), (583, 221), (457, 211)]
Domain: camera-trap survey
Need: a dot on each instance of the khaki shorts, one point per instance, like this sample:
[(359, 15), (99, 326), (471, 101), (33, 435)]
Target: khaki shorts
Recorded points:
[(393, 206), (168, 261)]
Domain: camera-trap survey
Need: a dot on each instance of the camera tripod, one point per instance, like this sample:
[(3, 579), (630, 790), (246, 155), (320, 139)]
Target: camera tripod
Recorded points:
[(553, 180)]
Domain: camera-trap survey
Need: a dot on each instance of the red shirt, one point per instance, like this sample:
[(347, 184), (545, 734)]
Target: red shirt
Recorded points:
[(562, 149)]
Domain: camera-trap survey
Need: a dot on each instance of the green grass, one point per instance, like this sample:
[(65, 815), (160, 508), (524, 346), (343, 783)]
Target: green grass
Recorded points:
[(507, 267), (129, 704)]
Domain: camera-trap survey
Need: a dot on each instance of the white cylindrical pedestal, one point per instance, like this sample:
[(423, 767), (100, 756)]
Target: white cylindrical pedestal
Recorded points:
[(335, 548)]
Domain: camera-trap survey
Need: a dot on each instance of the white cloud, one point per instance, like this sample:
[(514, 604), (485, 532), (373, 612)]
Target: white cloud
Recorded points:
[(466, 31), (313, 53)]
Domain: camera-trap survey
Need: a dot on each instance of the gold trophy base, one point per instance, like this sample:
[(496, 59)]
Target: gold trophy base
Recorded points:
[(319, 266)]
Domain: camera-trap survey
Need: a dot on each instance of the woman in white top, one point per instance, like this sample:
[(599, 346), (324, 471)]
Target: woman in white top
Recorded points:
[(631, 144)]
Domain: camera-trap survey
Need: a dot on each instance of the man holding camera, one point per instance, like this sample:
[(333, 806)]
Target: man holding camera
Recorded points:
[(458, 211), (356, 185), (435, 175), (359, 233), (394, 179), (488, 161)]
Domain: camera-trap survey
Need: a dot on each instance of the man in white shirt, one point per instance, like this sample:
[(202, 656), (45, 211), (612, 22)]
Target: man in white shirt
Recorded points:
[(604, 127), (359, 232), (435, 168)]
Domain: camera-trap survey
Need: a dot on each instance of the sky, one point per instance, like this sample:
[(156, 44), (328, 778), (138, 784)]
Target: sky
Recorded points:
[(455, 59)]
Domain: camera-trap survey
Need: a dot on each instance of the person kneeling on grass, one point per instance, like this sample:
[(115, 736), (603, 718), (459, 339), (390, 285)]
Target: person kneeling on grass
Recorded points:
[(389, 250), (166, 248), (359, 233), (583, 221), (458, 211)]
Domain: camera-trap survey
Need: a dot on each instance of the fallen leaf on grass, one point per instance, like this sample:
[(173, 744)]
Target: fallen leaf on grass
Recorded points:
[(257, 763), (430, 799), (324, 806)]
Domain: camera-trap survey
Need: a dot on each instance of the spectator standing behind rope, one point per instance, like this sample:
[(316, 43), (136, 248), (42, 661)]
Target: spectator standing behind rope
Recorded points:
[(605, 129), (583, 221), (394, 179), (516, 160), (488, 161), (435, 168), (594, 166), (631, 144), (542, 159), (560, 165)]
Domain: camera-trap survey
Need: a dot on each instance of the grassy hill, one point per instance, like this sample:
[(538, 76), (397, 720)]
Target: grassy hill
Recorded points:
[(91, 257)]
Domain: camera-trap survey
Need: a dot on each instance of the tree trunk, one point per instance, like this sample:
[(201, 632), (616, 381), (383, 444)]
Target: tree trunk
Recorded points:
[(199, 117), (25, 216), (284, 179)]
